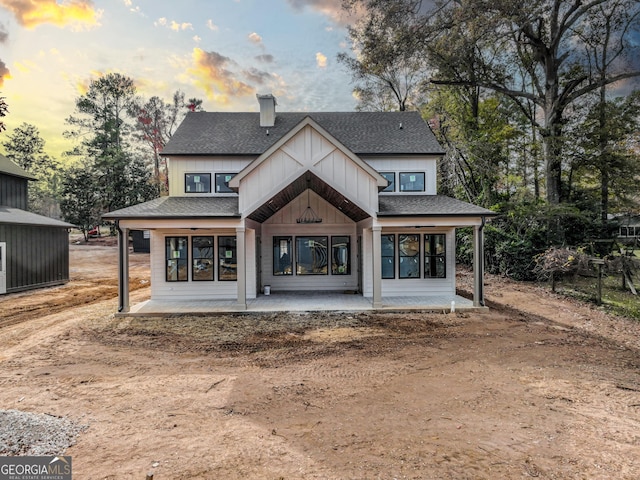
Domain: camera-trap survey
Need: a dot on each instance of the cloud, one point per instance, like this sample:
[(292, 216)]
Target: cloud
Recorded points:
[(321, 60), (197, 38), (31, 13), (211, 25), (329, 8), (265, 58), (5, 74), (4, 35), (256, 76), (255, 38), (173, 25), (211, 72)]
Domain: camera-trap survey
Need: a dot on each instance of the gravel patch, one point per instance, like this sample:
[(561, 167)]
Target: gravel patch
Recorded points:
[(25, 433)]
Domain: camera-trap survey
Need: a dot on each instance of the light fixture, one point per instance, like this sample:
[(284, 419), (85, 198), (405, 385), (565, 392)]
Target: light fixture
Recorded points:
[(309, 216)]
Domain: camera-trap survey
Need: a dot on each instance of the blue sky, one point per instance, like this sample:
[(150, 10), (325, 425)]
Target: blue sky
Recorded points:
[(223, 51)]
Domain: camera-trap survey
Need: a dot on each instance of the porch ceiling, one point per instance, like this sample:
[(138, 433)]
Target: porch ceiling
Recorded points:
[(298, 186)]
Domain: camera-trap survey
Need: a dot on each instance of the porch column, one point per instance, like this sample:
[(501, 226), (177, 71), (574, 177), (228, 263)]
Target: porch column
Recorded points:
[(123, 270), (241, 270), (478, 265), (377, 267)]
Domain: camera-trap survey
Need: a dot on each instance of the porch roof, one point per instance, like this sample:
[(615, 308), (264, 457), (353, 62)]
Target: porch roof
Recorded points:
[(428, 206), (179, 207)]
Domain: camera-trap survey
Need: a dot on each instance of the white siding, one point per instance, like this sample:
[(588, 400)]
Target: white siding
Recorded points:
[(178, 166), (190, 290), (308, 150), (408, 164)]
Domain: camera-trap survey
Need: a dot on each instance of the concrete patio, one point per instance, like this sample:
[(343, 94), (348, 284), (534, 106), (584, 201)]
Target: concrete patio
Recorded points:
[(299, 302)]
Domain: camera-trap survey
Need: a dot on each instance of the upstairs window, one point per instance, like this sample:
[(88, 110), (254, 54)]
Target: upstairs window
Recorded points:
[(197, 183), (412, 182), (222, 182), (391, 178)]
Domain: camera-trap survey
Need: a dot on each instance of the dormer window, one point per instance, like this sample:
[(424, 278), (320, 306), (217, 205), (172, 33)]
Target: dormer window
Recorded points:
[(197, 183), (412, 182), (391, 178), (222, 182)]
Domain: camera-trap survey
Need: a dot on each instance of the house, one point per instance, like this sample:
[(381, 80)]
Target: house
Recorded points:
[(301, 202), (628, 228), (34, 250)]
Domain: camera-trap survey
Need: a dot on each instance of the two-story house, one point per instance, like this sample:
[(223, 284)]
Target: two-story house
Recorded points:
[(34, 250), (279, 202)]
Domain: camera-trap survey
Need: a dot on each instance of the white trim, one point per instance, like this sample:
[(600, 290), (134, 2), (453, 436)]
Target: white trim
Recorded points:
[(3, 267)]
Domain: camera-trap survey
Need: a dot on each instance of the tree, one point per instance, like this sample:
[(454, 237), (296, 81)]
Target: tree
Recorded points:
[(4, 109), (25, 147), (80, 203)]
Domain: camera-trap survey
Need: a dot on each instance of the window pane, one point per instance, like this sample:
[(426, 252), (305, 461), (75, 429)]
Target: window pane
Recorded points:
[(227, 259), (409, 250), (311, 256), (222, 182), (412, 182), (176, 257), (341, 255), (282, 256), (202, 248), (391, 177), (197, 182), (388, 244), (435, 256)]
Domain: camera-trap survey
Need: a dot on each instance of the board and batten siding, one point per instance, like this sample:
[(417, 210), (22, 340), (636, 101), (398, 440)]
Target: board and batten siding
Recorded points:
[(178, 166), (190, 290), (403, 164), (13, 191), (308, 150), (36, 256), (284, 223), (406, 287)]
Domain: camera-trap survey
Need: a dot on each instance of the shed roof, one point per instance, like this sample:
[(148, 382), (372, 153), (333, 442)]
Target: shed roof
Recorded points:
[(16, 216), (364, 133), (179, 207), (10, 168)]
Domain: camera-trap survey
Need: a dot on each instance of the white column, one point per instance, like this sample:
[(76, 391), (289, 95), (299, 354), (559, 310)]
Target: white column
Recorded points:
[(377, 267), (123, 270), (241, 268), (478, 266)]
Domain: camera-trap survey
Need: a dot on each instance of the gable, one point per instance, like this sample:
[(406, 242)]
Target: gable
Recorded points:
[(308, 148)]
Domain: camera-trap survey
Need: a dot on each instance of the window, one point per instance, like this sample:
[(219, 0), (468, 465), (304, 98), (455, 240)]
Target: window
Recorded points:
[(391, 178), (177, 258), (197, 182), (282, 256), (202, 265), (388, 247), (227, 259), (341, 255), (409, 252), (311, 256), (412, 182), (222, 182), (435, 259)]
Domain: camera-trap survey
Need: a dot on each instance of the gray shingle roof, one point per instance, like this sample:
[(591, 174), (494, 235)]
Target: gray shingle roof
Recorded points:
[(374, 133), (180, 207), (21, 217), (428, 206), (10, 168)]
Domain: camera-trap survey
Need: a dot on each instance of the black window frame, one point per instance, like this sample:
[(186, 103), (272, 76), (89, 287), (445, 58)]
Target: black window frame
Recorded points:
[(224, 183), (334, 267), (197, 259), (300, 251), (206, 175), (391, 240), (400, 184), (403, 255), (433, 258), (392, 185), (222, 247), (280, 261), (172, 260)]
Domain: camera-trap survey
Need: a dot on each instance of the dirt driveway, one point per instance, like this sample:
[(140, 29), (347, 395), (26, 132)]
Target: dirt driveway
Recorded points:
[(537, 386)]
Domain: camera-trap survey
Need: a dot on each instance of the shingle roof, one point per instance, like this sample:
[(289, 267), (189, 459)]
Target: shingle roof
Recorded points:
[(180, 207), (10, 168), (21, 217), (428, 206), (373, 133)]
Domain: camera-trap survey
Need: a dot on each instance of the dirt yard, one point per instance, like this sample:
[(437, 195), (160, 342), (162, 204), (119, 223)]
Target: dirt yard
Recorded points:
[(536, 387)]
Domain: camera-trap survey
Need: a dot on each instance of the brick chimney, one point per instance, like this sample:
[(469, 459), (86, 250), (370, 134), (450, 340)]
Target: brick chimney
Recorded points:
[(267, 109)]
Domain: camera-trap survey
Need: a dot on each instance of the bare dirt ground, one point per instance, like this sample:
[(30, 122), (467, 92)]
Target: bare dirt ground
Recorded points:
[(536, 387)]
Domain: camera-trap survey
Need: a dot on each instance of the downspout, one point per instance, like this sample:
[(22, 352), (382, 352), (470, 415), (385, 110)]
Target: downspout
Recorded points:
[(120, 270), (481, 234)]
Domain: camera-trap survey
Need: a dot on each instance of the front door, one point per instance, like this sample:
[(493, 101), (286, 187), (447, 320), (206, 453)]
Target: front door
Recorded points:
[(3, 267)]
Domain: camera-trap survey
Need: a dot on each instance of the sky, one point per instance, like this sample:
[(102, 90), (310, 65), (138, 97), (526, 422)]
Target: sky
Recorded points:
[(222, 51)]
